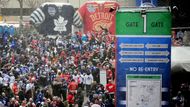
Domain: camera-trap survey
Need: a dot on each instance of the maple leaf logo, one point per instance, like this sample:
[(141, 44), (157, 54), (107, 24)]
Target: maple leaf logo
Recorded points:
[(60, 24)]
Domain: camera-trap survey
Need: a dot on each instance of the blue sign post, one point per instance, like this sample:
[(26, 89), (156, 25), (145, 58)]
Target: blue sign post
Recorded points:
[(143, 58)]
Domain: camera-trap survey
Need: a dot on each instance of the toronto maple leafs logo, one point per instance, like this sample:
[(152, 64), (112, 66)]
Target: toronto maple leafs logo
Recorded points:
[(60, 24)]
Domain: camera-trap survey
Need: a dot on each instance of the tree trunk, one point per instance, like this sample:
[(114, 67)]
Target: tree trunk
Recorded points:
[(1, 15), (21, 15)]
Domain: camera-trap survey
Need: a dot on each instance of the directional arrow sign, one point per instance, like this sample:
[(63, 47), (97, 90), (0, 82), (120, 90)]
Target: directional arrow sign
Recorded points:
[(157, 53), (131, 60), (156, 46), (124, 45), (156, 60), (122, 53)]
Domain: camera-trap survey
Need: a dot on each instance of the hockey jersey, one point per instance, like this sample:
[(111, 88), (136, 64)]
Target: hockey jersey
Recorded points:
[(54, 18), (98, 15)]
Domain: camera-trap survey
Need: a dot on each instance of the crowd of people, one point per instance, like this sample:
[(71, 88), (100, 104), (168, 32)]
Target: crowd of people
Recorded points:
[(180, 37), (182, 98), (39, 71)]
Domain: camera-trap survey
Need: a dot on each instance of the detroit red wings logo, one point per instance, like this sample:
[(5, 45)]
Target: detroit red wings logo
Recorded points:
[(102, 24)]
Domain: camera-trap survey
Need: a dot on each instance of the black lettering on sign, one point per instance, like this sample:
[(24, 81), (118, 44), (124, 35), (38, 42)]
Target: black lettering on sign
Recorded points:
[(157, 24), (131, 24)]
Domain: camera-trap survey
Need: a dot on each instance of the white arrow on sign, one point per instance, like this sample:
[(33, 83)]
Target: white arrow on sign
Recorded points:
[(131, 60), (122, 53), (156, 46), (157, 60), (157, 53), (125, 45)]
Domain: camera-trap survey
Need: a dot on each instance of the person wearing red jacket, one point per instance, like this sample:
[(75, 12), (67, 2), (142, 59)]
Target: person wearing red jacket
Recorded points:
[(66, 76), (15, 88), (73, 86), (71, 99), (110, 88), (109, 74)]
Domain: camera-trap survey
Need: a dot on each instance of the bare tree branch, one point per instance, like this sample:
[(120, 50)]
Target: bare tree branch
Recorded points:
[(35, 3), (3, 3), (31, 3), (43, 1)]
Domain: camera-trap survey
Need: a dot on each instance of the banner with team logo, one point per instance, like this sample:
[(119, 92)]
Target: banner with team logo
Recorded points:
[(98, 16), (54, 18)]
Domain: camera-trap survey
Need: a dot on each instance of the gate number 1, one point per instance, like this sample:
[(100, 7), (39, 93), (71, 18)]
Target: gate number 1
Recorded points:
[(144, 20)]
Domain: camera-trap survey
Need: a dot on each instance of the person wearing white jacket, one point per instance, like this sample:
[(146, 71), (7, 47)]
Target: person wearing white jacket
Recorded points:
[(88, 81)]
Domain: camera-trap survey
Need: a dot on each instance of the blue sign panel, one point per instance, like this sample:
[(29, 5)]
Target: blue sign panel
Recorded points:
[(145, 55)]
